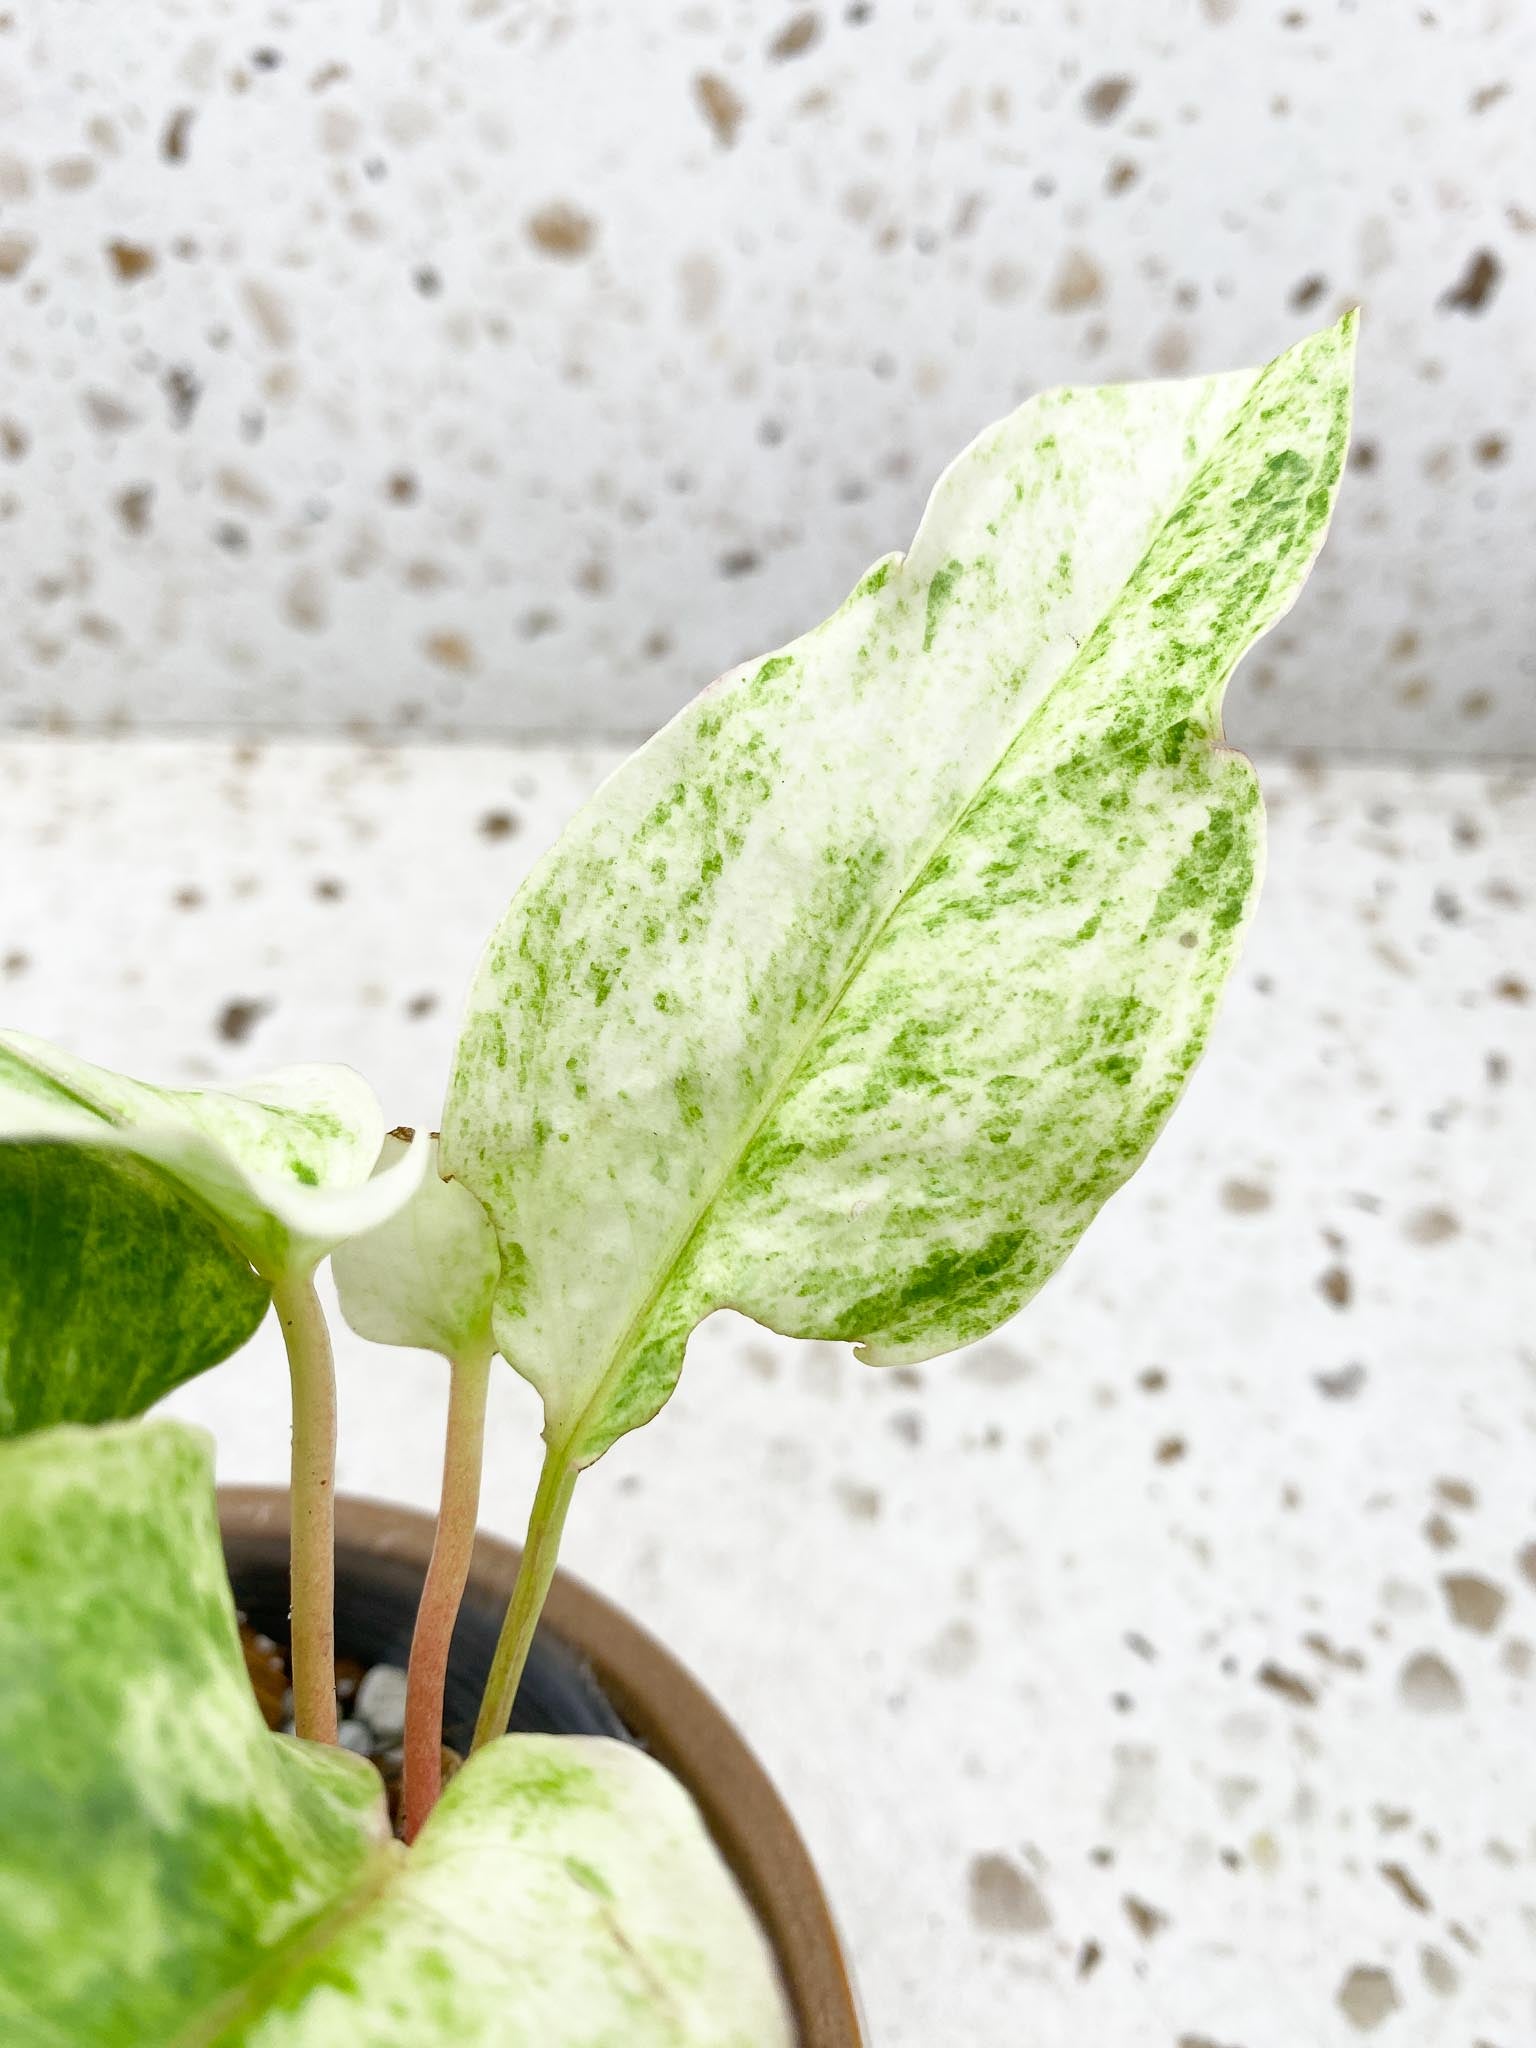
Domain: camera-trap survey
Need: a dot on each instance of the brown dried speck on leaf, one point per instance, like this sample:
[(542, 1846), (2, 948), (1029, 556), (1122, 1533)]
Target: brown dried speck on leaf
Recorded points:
[(1004, 1900), (721, 106), (796, 36), (1476, 285), (498, 825), (239, 1018), (562, 230)]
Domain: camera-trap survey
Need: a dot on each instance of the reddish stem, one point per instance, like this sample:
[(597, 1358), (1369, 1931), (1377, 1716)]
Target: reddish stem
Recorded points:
[(452, 1548)]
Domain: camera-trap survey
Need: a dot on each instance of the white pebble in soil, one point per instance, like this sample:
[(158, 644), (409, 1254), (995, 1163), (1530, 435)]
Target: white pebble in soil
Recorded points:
[(357, 1736), (381, 1702)]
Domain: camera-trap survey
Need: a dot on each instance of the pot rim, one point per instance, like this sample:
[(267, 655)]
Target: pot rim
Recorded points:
[(663, 1705)]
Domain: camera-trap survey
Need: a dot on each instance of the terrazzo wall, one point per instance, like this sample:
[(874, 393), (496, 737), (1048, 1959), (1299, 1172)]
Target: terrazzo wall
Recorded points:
[(484, 367)]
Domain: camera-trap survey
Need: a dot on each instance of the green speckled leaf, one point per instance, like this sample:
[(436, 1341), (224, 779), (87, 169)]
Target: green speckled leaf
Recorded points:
[(156, 1843), (284, 1163), (114, 1287), (563, 1895), (426, 1277), (850, 999), (174, 1876)]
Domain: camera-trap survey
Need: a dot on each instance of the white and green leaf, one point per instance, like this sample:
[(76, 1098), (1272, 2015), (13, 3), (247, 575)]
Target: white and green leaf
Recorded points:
[(425, 1277), (562, 1895), (158, 1844), (850, 999), (171, 1872), (284, 1163)]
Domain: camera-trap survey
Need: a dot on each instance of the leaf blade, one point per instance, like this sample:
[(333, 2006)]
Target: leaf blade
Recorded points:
[(113, 1287), (563, 1891), (172, 1872), (424, 1278), (674, 962), (285, 1162), (129, 1737)]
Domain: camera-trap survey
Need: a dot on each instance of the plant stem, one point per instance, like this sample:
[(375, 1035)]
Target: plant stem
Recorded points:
[(443, 1589), (557, 1482), (312, 1505)]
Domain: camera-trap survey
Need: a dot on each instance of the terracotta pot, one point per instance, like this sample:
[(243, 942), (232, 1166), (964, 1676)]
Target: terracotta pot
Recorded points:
[(591, 1672)]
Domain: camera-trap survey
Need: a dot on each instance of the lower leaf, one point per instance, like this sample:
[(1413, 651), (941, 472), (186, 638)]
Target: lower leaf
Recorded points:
[(171, 1873)]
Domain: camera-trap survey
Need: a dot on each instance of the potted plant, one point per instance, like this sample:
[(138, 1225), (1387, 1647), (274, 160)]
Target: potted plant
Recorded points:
[(845, 1003)]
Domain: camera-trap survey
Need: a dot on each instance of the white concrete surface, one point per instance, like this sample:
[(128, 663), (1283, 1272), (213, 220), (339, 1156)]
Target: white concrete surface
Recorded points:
[(514, 369), (1119, 1670)]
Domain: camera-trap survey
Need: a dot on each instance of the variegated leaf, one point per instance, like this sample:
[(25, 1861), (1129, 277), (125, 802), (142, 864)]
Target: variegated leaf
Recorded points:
[(158, 1845), (426, 1277), (562, 1895), (284, 1163), (115, 1286), (850, 999), (171, 1873)]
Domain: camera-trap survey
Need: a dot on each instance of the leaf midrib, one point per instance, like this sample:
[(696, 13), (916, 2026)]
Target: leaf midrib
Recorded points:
[(560, 1448)]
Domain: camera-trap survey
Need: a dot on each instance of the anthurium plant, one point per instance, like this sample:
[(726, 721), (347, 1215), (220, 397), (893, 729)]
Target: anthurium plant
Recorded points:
[(846, 1003)]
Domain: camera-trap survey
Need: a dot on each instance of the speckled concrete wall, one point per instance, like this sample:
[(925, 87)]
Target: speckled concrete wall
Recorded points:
[(503, 367)]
